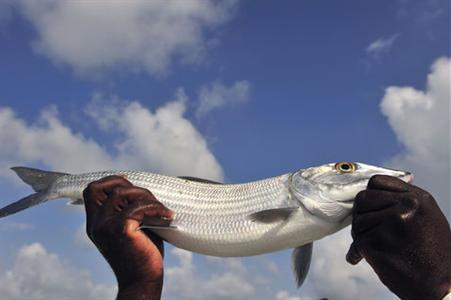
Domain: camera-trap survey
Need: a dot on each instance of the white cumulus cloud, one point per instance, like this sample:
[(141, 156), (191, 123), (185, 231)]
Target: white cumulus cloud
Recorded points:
[(163, 141), (284, 295), (184, 281), (333, 278), (37, 274), (216, 95), (381, 46), (97, 36), (47, 141), (421, 122), (15, 226)]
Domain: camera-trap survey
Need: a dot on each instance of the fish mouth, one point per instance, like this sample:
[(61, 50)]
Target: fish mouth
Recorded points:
[(407, 177), (347, 204)]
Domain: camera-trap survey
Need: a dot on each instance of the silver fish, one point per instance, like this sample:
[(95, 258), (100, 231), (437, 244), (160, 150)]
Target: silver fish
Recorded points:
[(287, 211)]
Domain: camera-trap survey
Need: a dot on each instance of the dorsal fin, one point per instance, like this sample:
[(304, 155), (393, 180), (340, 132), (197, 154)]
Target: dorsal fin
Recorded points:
[(199, 179)]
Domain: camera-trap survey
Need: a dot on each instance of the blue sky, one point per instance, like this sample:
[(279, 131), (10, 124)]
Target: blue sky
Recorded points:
[(229, 90)]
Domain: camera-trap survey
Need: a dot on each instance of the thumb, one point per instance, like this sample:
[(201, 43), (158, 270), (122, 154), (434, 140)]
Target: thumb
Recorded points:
[(353, 256)]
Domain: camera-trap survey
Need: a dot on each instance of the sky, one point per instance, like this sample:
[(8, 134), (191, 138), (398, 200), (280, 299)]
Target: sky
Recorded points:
[(227, 90)]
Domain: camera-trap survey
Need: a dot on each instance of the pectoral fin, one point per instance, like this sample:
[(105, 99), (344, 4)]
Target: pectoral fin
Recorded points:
[(76, 202), (273, 215), (301, 258), (156, 223)]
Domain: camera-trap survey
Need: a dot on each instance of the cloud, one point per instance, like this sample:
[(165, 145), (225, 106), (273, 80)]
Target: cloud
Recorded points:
[(93, 37), (333, 278), (38, 274), (47, 141), (15, 226), (163, 141), (381, 46), (184, 281), (216, 95), (421, 122), (284, 295), (5, 12)]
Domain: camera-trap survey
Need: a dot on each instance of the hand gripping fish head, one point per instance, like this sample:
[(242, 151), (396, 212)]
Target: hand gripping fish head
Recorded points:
[(328, 191)]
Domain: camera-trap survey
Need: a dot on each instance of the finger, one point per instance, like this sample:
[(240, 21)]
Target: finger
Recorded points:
[(134, 215), (353, 256), (138, 195), (153, 213), (372, 200), (388, 183), (133, 200), (97, 191), (119, 197), (363, 223), (109, 183)]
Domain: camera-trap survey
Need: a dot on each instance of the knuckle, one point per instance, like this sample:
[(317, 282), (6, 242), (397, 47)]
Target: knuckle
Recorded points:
[(405, 212), (426, 198), (410, 204), (117, 191), (143, 191), (376, 179), (119, 179), (90, 189), (146, 196), (361, 196)]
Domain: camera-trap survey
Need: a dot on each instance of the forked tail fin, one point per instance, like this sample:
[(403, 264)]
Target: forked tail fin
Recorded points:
[(41, 182)]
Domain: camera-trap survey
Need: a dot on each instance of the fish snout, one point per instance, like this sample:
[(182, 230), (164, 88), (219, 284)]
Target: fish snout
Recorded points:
[(407, 177)]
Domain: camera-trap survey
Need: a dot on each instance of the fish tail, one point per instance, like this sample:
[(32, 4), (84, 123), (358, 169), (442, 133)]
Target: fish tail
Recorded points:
[(41, 182)]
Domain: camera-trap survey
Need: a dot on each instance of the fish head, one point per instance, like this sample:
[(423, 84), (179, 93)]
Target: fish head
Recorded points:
[(328, 191)]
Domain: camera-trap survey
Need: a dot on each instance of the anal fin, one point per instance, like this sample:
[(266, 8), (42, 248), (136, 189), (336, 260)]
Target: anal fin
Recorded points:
[(156, 223), (301, 258), (76, 202)]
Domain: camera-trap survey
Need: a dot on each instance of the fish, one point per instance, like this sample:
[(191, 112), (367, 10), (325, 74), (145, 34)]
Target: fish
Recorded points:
[(233, 220)]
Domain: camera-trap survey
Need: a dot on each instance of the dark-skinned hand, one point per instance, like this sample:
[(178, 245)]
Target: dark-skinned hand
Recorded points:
[(115, 210), (401, 232)]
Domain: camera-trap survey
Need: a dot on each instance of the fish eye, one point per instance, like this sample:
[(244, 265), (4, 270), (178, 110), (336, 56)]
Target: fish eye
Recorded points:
[(345, 167)]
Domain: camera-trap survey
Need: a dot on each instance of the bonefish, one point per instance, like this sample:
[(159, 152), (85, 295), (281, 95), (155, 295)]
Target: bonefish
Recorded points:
[(287, 211)]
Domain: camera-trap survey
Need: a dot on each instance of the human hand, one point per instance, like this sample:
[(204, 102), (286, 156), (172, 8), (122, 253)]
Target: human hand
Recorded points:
[(115, 209), (401, 232)]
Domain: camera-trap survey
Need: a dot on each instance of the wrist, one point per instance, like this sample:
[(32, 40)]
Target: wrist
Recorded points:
[(141, 290), (131, 273)]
